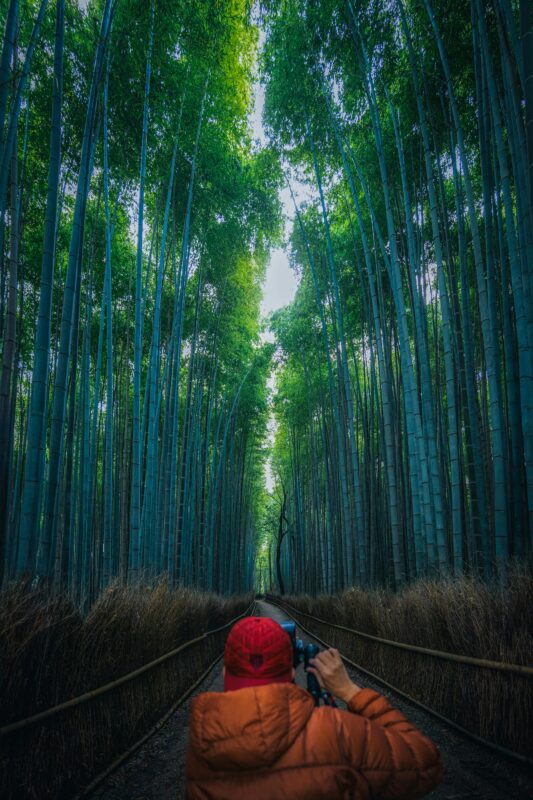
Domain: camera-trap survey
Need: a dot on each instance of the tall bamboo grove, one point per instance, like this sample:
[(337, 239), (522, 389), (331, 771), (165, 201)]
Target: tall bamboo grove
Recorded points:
[(136, 216), (404, 444)]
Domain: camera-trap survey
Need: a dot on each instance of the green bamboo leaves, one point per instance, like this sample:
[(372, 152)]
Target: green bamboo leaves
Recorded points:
[(137, 384), (419, 255)]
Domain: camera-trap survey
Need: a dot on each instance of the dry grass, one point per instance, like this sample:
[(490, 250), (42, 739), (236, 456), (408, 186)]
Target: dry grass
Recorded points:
[(49, 653), (463, 616)]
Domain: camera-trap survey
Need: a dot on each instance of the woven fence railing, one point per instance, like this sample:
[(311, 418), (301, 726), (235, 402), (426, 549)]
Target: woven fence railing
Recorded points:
[(54, 752), (491, 700), (518, 669)]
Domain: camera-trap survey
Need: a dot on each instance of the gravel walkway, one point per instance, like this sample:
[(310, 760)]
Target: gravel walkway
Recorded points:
[(157, 770)]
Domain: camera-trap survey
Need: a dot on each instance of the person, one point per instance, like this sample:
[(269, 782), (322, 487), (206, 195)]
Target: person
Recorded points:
[(263, 738)]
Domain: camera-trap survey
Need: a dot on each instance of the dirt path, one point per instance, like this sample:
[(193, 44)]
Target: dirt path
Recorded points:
[(157, 770)]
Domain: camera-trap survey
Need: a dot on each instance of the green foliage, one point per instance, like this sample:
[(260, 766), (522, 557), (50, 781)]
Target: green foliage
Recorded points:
[(438, 361), (209, 343), (404, 426)]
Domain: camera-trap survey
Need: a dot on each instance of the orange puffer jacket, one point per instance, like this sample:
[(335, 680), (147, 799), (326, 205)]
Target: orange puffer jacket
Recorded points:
[(271, 743)]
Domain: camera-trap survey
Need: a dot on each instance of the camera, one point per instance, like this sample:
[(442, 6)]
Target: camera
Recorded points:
[(304, 653), (297, 644)]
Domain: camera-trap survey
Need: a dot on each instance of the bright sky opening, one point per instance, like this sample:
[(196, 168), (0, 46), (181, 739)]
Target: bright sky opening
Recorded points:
[(281, 282)]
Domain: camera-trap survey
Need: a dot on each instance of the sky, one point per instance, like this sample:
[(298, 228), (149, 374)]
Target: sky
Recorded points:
[(280, 283)]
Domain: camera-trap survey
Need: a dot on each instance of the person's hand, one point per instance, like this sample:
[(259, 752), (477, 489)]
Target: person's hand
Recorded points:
[(331, 674)]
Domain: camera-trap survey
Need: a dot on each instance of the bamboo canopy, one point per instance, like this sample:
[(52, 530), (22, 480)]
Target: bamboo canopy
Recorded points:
[(137, 218)]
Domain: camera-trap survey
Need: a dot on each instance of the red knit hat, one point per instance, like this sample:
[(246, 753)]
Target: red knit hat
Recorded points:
[(258, 651)]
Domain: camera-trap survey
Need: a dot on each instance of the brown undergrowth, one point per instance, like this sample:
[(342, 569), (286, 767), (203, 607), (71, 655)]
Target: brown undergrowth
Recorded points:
[(462, 616), (50, 653)]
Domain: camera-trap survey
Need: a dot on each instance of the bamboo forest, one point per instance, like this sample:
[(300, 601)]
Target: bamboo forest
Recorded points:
[(376, 428), (266, 324)]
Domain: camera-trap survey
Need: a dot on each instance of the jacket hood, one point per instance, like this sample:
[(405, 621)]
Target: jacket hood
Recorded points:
[(249, 728)]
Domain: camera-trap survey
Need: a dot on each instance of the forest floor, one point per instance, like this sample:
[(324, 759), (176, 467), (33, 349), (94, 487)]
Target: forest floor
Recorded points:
[(472, 772)]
